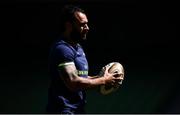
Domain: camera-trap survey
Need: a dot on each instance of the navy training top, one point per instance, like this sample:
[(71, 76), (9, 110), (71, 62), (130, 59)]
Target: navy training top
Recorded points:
[(60, 98)]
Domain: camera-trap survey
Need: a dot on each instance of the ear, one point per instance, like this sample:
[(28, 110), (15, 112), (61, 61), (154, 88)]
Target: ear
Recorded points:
[(68, 26)]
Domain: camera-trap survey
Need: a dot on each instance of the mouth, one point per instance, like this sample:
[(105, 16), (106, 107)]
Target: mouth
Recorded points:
[(84, 33)]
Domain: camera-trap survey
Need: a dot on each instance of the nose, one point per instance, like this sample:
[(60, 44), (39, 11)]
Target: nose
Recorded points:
[(86, 27)]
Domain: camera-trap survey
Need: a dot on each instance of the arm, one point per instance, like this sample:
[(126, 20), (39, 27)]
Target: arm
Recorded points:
[(74, 82), (92, 77)]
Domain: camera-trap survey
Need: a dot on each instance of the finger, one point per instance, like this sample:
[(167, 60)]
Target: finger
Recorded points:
[(113, 83), (119, 80), (106, 69), (117, 74), (121, 77)]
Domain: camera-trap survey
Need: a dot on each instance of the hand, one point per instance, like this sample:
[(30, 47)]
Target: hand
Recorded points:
[(112, 79)]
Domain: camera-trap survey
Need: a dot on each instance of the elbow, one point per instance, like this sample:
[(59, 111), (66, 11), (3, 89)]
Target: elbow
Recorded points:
[(73, 85)]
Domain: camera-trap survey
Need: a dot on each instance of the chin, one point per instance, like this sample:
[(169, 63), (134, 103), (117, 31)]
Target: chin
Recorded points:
[(84, 37)]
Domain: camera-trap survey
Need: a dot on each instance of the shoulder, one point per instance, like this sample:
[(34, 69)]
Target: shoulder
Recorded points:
[(61, 46), (62, 49)]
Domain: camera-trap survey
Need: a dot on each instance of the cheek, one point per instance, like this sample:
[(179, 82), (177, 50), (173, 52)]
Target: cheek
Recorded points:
[(81, 29), (78, 29)]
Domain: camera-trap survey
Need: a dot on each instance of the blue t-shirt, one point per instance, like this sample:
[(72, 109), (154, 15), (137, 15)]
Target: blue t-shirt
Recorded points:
[(60, 98)]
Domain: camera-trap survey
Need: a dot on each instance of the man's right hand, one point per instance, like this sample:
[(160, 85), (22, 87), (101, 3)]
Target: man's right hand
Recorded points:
[(111, 79)]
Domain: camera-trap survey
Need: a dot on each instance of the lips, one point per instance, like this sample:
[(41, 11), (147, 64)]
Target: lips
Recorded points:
[(84, 31)]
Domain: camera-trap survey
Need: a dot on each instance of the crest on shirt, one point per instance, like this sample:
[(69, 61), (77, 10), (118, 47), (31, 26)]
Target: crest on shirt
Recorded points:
[(85, 66)]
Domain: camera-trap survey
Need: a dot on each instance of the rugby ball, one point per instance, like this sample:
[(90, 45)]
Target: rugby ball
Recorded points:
[(113, 67)]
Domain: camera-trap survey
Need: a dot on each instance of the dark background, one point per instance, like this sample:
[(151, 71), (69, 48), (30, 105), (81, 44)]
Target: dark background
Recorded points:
[(139, 35)]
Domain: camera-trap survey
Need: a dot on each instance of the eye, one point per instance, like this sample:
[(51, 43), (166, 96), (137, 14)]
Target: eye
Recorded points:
[(83, 24)]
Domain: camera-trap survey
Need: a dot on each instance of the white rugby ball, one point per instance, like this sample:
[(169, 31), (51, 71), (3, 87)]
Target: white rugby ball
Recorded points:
[(114, 67)]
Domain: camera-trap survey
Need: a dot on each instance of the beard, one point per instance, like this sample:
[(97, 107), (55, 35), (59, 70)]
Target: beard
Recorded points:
[(77, 36)]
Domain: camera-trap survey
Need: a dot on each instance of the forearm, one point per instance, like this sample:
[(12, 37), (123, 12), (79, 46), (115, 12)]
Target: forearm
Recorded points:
[(92, 77), (92, 81), (74, 82), (86, 83)]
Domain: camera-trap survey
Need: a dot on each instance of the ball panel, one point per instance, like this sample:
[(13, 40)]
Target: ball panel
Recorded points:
[(116, 68)]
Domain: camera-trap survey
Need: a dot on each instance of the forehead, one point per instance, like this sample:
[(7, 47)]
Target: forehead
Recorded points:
[(81, 17)]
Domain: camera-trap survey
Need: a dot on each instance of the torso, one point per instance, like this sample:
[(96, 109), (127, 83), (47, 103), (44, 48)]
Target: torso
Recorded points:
[(58, 91)]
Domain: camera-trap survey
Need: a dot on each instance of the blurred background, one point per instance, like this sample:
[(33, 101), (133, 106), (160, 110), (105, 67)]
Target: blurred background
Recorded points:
[(139, 35)]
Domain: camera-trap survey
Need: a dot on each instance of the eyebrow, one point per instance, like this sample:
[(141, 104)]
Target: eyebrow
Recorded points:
[(83, 22)]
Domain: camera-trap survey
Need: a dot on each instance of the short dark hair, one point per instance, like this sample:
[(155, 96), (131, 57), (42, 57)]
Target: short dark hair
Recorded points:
[(67, 13)]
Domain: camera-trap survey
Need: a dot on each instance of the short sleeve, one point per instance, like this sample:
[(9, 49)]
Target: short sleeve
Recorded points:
[(64, 54)]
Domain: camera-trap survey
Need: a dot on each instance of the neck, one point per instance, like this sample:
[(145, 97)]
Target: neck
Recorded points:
[(68, 39)]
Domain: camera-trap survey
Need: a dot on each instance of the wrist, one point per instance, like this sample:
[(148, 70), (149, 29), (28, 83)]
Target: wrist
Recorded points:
[(104, 79)]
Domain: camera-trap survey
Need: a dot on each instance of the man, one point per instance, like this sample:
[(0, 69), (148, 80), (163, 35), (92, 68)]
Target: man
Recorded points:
[(69, 67)]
